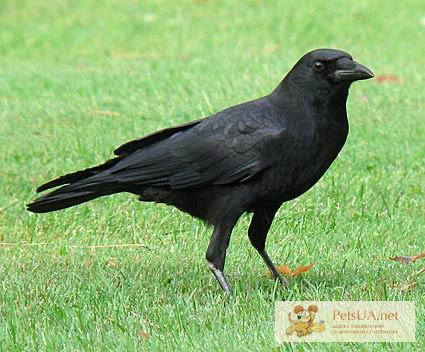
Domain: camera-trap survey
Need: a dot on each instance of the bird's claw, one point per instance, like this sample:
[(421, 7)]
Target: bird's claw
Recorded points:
[(279, 278)]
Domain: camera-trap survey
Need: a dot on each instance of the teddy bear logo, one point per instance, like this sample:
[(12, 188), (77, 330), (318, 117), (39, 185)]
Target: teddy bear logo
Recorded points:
[(302, 321)]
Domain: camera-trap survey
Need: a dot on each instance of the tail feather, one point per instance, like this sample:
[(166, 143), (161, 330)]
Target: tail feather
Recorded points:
[(79, 175), (75, 193)]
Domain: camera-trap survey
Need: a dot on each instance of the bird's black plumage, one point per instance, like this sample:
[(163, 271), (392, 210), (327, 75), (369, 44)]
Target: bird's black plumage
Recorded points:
[(250, 157)]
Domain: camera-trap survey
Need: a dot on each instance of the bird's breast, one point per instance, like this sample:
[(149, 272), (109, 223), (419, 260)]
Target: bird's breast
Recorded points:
[(305, 157)]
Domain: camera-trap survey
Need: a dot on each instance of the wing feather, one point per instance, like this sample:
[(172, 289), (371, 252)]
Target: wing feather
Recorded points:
[(223, 149)]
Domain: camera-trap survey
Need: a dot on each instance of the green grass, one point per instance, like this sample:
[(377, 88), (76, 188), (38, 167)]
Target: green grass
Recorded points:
[(79, 78)]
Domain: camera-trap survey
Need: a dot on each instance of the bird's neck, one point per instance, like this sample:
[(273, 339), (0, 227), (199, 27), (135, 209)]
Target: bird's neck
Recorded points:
[(292, 97)]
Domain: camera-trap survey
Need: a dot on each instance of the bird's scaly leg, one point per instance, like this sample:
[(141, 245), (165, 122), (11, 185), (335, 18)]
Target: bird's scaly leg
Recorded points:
[(258, 229), (216, 253), (219, 275)]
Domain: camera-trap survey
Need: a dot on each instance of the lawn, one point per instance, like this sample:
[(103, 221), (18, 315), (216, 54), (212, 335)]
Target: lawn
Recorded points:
[(80, 78)]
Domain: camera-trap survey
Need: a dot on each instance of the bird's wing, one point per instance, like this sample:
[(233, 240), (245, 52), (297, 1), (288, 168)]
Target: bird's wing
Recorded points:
[(223, 149), (135, 144), (121, 153)]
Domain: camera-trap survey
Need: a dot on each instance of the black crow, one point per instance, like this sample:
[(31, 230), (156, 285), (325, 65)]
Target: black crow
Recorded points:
[(251, 157)]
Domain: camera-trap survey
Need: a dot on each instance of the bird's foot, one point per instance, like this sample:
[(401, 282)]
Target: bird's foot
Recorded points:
[(278, 277), (276, 274), (219, 275)]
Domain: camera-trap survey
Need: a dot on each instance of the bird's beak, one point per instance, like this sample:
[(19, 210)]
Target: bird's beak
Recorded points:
[(351, 71)]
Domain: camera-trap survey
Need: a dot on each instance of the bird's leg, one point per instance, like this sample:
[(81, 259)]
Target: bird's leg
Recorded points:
[(219, 275), (216, 253), (276, 274), (258, 229)]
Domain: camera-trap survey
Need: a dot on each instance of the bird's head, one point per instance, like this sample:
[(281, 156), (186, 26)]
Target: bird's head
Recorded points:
[(325, 74)]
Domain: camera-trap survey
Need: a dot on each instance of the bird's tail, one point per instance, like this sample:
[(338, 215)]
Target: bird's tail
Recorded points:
[(73, 194), (80, 187)]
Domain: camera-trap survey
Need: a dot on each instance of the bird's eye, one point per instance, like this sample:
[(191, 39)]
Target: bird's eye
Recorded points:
[(318, 66)]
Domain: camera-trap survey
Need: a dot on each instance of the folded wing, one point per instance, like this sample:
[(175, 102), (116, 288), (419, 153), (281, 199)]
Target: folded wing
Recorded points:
[(224, 149)]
